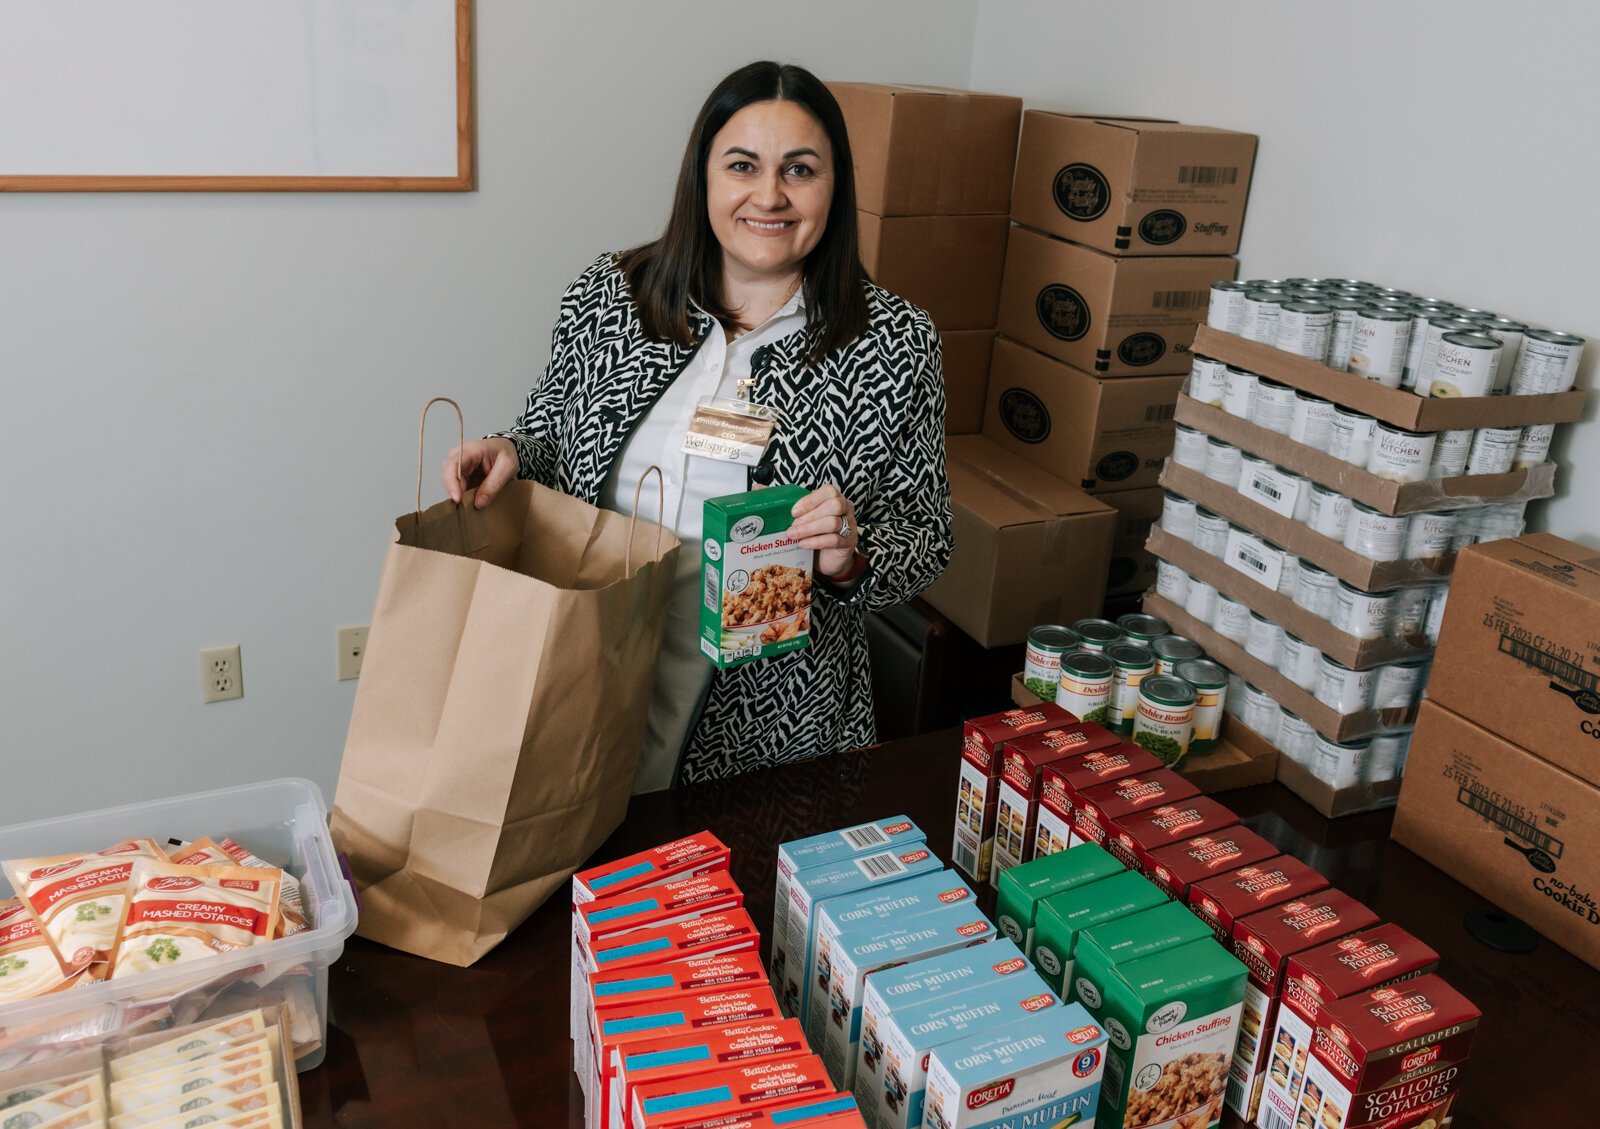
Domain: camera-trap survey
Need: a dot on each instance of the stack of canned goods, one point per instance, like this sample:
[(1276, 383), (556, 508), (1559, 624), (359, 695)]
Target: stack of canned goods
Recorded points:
[(1339, 764)]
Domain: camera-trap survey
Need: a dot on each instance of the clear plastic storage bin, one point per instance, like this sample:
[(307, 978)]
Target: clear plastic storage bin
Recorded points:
[(284, 822)]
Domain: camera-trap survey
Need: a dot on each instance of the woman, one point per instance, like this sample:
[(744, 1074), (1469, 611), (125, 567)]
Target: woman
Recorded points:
[(755, 287)]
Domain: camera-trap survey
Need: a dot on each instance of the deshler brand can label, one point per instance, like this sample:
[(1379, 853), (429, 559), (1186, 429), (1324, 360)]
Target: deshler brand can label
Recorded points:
[(1042, 662), (1273, 406), (1189, 448), (1208, 381), (1534, 446), (1376, 536), (1172, 651), (1304, 329), (1210, 684), (1085, 688), (1312, 422), (1366, 615), (1467, 365), (1172, 583), (1164, 722), (1225, 311), (1133, 664), (1378, 345), (1450, 451), (1239, 393), (1494, 450), (1547, 362), (1400, 455)]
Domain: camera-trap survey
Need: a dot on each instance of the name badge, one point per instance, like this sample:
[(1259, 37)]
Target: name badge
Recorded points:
[(729, 431)]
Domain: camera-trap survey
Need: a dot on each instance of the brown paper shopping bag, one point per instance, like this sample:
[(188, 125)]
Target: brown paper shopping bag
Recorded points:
[(500, 712)]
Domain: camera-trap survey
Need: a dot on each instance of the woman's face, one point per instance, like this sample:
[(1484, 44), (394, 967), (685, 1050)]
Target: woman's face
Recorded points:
[(769, 183)]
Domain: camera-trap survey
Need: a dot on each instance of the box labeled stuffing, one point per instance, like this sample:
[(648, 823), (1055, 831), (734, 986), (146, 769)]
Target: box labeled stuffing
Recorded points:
[(950, 266), (757, 579), (1030, 547), (1133, 186), (1102, 435), (1131, 838), (983, 739), (1221, 900), (1105, 315), (1022, 888), (1045, 1069), (1021, 766), (1096, 810), (1060, 785), (1062, 918)]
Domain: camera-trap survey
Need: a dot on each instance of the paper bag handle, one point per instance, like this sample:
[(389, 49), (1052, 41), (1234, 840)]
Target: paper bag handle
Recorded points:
[(661, 513), (461, 441)]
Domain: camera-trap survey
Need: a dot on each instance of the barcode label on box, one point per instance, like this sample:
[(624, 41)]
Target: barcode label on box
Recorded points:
[(1179, 299), (1208, 174), (966, 858), (1272, 1119), (1248, 554), (865, 837), (1158, 412), (1276, 491), (1235, 1095), (713, 587), (880, 866), (1553, 665), (1514, 824)]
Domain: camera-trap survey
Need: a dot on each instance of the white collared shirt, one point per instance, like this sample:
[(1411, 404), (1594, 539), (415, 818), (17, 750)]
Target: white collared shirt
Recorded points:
[(683, 673)]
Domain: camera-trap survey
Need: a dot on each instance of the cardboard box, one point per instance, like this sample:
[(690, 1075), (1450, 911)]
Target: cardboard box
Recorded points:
[(1334, 802), (1030, 548), (1324, 552), (1221, 900), (1355, 653), (930, 150), (1133, 186), (1110, 316), (1518, 830), (1062, 918), (950, 266), (1418, 413), (1520, 651), (983, 739), (1362, 485), (1133, 567), (966, 378), (1103, 435)]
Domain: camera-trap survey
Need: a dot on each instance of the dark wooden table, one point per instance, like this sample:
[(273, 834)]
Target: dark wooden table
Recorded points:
[(411, 1042)]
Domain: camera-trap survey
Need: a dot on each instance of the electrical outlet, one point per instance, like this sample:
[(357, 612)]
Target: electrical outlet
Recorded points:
[(352, 647), (221, 675)]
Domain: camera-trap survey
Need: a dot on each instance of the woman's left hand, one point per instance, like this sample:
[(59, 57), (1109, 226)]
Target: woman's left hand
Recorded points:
[(826, 521)]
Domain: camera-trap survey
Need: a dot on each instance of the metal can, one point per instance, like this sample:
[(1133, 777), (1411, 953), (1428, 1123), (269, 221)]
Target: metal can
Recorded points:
[(1172, 651), (1339, 765), (1427, 362), (1428, 535), (1210, 532), (1312, 421), (1342, 332), (1330, 512), (1208, 381), (1400, 455), (1178, 516), (1316, 590), (1189, 448), (1399, 685), (1239, 392), (1143, 629), (1133, 663), (1288, 575), (1296, 738), (1298, 662), (1378, 344), (1261, 308), (1547, 362), (1172, 583), (1376, 536), (1494, 450), (1467, 524), (1273, 406), (1262, 713), (1411, 613), (1533, 448), (1225, 311), (1466, 365), (1304, 329), (1233, 618), (1164, 720), (1264, 640), (1223, 463), (1302, 496), (1342, 689), (1041, 665), (1202, 601), (1097, 634), (1085, 687), (1436, 606), (1210, 684), (1509, 334), (1366, 615), (1420, 316), (1495, 523), (1386, 756), (1233, 704), (1450, 451), (1351, 435)]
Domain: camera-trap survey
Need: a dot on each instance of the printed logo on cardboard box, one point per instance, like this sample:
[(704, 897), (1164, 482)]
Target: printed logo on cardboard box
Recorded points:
[(1024, 415), (1116, 466), (1163, 226), (1142, 349), (1081, 192), (1063, 312)]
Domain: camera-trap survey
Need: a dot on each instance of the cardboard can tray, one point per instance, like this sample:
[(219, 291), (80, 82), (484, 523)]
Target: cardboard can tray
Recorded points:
[(1324, 552), (1228, 766), (1455, 493), (1355, 653), (1404, 409), (1329, 801), (1331, 724)]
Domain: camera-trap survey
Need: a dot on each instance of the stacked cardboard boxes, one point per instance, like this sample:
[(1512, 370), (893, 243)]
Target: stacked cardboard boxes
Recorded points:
[(1121, 227)]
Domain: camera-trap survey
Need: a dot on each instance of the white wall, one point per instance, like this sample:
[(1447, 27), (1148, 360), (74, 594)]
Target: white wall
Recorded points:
[(211, 400), (1440, 146)]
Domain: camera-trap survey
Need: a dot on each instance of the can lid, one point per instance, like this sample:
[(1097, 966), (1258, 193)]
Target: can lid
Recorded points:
[(1555, 337), (1087, 664), (1472, 340), (1167, 690), (1396, 429), (1053, 635), (1098, 630), (1346, 586), (1176, 648), (1508, 324), (1343, 302), (1229, 284), (1307, 308), (1136, 623), (1131, 655), (1203, 673)]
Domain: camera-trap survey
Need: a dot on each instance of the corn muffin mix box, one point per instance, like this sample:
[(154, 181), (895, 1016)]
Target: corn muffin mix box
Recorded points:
[(1021, 765), (1096, 810), (757, 599), (1316, 978), (1221, 900), (1061, 783), (1062, 919), (1022, 888), (1391, 1057), (1042, 1070), (1131, 838), (978, 790)]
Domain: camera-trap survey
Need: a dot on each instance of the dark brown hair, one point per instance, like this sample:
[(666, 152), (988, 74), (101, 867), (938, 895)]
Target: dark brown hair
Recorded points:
[(685, 263)]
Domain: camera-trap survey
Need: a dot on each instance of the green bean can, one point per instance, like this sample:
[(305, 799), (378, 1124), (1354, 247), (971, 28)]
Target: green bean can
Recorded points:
[(1210, 684), (1143, 628), (1174, 649), (1164, 722), (1133, 662), (1085, 687), (1097, 634), (1041, 672)]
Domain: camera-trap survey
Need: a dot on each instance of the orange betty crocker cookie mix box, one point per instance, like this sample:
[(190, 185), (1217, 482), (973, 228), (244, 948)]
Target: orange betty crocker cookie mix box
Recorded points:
[(757, 581)]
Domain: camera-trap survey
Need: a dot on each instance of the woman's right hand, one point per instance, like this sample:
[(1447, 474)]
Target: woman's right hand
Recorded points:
[(487, 464)]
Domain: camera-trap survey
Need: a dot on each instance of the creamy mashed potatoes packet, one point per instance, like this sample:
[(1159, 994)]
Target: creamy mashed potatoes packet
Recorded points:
[(206, 852), (28, 965), (77, 900), (177, 914)]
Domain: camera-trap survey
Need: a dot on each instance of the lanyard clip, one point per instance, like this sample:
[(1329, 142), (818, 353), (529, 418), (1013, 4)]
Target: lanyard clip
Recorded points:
[(742, 387)]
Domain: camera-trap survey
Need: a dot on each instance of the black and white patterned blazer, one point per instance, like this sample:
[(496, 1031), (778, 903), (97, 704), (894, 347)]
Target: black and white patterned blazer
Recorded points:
[(869, 418)]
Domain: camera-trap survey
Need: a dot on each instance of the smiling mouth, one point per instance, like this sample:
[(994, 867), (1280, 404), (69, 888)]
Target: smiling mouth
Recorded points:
[(774, 226)]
